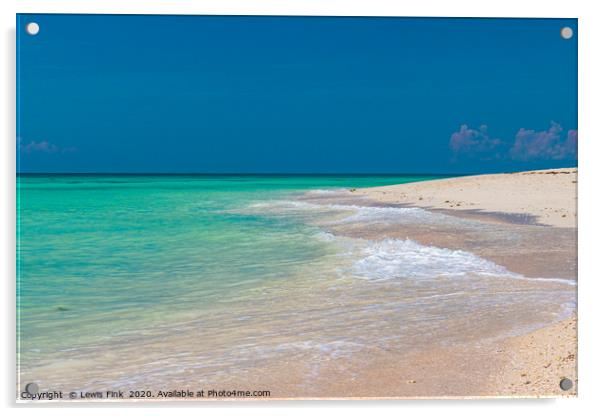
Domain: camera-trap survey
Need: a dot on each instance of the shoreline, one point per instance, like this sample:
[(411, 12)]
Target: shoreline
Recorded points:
[(526, 365), (424, 351), (537, 207)]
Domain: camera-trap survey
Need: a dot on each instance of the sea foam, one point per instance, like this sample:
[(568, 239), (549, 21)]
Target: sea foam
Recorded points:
[(394, 259)]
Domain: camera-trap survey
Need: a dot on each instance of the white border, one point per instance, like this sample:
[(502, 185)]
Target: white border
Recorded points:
[(471, 8), (590, 181)]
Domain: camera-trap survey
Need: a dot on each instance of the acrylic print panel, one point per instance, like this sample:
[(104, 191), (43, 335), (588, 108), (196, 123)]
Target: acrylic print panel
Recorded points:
[(218, 207)]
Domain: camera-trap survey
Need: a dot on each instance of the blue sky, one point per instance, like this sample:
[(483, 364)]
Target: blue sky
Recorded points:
[(215, 94)]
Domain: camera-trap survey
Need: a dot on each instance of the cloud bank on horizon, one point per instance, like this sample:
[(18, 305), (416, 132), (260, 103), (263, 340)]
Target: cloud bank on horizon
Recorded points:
[(528, 145)]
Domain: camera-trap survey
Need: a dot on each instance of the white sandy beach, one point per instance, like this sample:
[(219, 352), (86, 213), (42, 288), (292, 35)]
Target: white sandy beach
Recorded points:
[(547, 195)]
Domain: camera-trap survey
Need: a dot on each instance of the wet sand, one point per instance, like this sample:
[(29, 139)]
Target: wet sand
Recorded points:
[(530, 365), (539, 209)]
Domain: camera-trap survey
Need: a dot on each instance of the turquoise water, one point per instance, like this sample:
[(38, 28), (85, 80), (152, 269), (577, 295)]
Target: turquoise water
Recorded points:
[(210, 268), (105, 254)]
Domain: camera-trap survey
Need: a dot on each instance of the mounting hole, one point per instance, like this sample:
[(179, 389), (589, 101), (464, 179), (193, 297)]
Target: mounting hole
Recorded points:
[(566, 384), (566, 32), (32, 28), (32, 388)]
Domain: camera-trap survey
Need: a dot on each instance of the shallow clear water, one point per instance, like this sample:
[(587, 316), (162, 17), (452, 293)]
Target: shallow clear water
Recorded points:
[(212, 274)]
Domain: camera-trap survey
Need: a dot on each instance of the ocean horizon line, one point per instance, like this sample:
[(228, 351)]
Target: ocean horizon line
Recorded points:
[(235, 174), (273, 174), (261, 174)]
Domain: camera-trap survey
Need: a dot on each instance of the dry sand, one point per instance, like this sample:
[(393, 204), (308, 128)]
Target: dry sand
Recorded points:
[(547, 196), (536, 362)]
